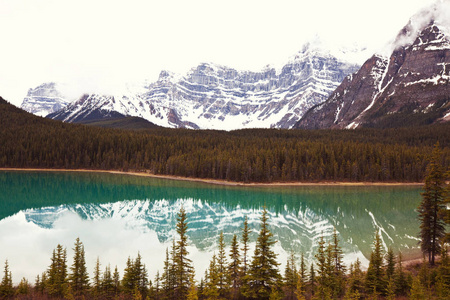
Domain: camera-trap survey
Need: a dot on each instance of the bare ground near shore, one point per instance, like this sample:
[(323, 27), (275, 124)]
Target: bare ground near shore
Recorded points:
[(221, 182)]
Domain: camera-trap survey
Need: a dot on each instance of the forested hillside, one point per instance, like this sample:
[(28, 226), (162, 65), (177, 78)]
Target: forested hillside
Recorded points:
[(242, 156)]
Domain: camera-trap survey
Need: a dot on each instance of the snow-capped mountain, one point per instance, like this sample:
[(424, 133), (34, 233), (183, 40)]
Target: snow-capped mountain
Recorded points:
[(409, 87), (44, 100), (211, 96)]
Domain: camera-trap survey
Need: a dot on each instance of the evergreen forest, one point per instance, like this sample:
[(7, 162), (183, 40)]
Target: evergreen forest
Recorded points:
[(258, 155)]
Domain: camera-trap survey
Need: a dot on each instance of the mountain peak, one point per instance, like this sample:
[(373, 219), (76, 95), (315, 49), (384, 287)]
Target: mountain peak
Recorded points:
[(410, 86)]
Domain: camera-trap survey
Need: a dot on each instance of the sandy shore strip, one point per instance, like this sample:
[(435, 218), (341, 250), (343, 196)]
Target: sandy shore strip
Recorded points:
[(221, 182)]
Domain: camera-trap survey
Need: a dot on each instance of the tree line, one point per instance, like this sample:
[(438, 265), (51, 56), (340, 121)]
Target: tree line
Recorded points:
[(270, 155)]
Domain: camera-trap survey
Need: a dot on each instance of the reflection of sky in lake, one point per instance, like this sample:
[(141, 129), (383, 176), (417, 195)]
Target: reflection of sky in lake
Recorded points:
[(116, 229)]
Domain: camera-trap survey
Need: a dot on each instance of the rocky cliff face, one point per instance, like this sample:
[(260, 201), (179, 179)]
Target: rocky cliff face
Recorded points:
[(217, 97), (411, 87), (44, 99)]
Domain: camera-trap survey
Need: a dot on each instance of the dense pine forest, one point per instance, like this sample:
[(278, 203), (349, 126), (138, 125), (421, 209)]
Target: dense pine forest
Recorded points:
[(391, 155)]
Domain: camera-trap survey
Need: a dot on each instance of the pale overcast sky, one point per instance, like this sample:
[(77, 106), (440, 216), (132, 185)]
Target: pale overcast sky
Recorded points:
[(92, 44)]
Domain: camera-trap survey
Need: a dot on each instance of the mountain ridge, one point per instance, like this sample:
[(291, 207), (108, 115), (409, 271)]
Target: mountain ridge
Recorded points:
[(409, 87), (211, 96)]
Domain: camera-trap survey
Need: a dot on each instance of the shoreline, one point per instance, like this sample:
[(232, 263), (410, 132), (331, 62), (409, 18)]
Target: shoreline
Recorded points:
[(221, 182), (411, 257)]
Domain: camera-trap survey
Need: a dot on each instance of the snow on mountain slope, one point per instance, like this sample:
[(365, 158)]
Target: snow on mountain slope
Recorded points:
[(44, 100), (211, 96), (411, 87)]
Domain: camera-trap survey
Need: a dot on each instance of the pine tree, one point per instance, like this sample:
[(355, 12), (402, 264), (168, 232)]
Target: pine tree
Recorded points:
[(417, 290), (323, 258), (140, 275), (221, 266), (300, 288), (302, 270), (192, 294), (79, 278), (116, 281), (375, 277), (212, 280), (96, 284), (6, 286), (356, 279), (235, 272), (245, 246), (390, 264), (337, 267), (57, 273), (432, 229), (167, 284), (128, 279), (24, 287), (290, 277), (263, 273), (443, 277), (445, 213), (400, 279), (157, 287), (107, 283), (312, 280), (182, 264)]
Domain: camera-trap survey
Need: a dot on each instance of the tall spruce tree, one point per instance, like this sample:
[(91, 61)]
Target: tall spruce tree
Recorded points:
[(96, 284), (245, 246), (222, 268), (107, 283), (182, 264), (263, 273), (78, 277), (167, 284), (212, 280), (57, 273), (290, 278), (6, 286), (432, 228), (375, 276), (234, 269)]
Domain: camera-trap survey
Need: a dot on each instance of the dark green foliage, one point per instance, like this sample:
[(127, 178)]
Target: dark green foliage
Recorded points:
[(135, 277), (235, 269), (432, 230), (390, 264), (78, 277), (401, 282), (181, 263), (223, 283), (6, 286), (56, 282), (263, 277), (245, 155), (212, 280), (291, 278), (375, 278)]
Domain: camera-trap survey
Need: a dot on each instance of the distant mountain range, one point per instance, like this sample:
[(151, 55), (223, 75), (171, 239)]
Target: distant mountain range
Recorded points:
[(317, 88), (215, 97)]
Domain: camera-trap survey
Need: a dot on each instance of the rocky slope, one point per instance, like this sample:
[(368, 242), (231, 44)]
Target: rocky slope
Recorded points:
[(217, 97), (411, 87), (44, 99)]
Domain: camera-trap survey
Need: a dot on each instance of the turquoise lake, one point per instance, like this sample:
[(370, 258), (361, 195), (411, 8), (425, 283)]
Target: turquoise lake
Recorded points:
[(117, 216)]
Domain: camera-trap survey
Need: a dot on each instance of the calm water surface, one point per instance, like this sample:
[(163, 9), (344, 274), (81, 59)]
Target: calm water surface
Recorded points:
[(117, 216)]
